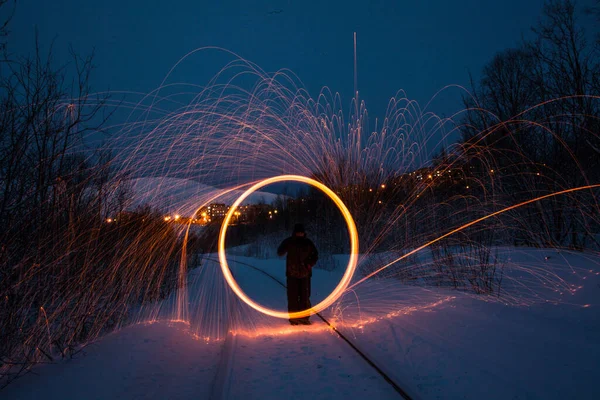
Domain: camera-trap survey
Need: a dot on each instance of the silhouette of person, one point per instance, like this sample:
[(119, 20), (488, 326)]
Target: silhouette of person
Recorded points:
[(302, 255)]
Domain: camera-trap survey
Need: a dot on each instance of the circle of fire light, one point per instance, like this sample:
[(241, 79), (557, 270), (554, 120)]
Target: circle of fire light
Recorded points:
[(344, 282)]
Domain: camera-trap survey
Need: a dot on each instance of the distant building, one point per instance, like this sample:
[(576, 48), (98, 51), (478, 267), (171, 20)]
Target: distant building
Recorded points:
[(250, 213), (211, 213)]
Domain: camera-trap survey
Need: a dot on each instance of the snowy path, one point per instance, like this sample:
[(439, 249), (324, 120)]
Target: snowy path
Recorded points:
[(303, 362), (313, 363)]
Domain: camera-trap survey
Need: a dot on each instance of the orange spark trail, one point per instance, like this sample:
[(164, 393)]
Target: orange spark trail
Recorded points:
[(182, 312), (471, 224)]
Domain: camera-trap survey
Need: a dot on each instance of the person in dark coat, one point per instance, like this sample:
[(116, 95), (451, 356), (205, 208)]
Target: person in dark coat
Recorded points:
[(302, 255)]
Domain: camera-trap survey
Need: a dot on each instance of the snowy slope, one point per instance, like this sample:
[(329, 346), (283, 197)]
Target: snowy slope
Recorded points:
[(436, 343), (184, 196)]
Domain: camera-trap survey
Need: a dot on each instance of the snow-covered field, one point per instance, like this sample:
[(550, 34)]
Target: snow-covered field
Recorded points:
[(435, 343)]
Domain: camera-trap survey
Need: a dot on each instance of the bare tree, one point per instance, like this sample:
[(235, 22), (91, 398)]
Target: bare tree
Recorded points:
[(55, 241), (535, 116), (570, 68), (4, 31)]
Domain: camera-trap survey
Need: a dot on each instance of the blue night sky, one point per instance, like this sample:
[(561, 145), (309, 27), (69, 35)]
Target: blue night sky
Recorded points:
[(419, 46)]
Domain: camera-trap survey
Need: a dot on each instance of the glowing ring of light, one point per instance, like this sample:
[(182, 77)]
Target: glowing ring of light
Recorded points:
[(344, 282)]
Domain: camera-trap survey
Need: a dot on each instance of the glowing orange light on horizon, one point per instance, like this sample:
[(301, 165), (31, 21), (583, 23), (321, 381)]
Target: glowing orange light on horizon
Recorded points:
[(344, 282)]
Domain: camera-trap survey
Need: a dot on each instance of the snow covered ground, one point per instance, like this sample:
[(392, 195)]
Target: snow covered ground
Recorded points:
[(435, 343)]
